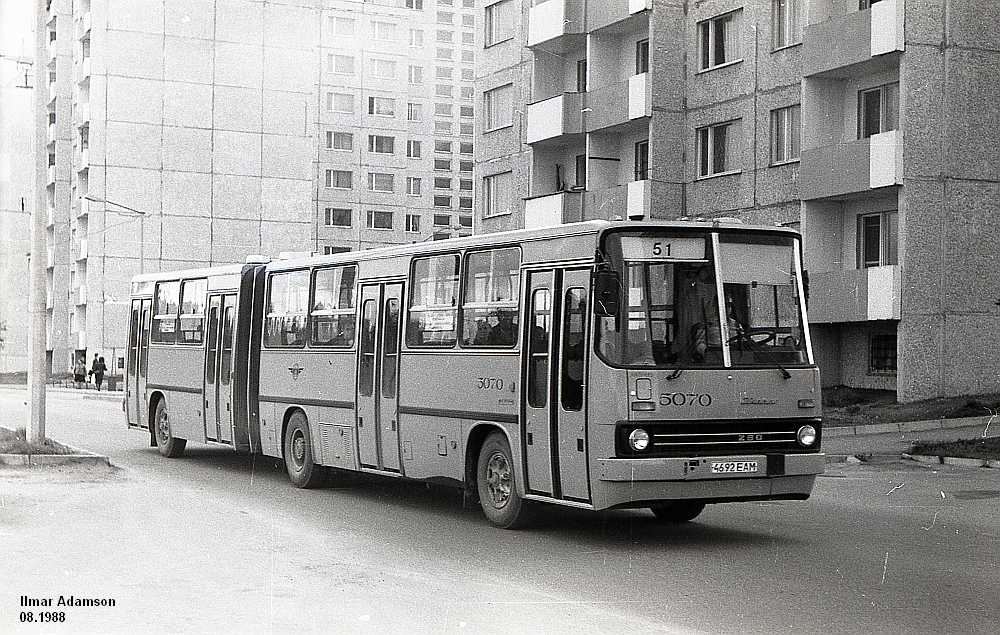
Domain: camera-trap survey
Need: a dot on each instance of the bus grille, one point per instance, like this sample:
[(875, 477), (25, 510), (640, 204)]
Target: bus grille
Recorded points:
[(704, 438)]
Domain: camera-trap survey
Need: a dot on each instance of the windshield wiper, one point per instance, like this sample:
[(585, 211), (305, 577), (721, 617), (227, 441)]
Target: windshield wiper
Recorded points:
[(757, 348)]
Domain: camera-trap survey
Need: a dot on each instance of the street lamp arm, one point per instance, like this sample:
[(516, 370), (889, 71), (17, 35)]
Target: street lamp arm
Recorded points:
[(97, 199)]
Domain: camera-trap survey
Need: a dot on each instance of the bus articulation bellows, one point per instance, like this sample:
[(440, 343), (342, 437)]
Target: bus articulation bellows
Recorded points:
[(663, 365)]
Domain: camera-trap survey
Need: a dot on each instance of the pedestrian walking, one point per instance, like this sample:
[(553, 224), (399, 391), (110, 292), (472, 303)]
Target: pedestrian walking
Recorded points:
[(80, 372), (97, 370)]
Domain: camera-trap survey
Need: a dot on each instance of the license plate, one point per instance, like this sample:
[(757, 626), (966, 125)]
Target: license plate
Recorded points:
[(734, 467)]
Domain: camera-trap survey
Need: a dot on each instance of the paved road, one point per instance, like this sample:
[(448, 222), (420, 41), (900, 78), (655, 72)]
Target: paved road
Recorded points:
[(218, 542)]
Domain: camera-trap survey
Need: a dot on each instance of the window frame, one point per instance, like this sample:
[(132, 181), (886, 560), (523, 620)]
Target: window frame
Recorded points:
[(641, 56), (888, 247), (514, 303), (491, 33), (267, 300), (155, 336), (181, 315), (710, 24), (792, 146), (329, 213), (489, 124), (892, 368), (490, 191), (372, 214), (312, 310), (711, 150), (788, 21), (882, 89), (413, 288)]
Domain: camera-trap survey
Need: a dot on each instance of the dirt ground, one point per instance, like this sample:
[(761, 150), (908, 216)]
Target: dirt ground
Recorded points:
[(850, 407)]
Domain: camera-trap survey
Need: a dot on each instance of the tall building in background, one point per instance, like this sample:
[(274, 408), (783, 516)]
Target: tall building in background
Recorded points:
[(17, 174), (188, 134), (868, 124)]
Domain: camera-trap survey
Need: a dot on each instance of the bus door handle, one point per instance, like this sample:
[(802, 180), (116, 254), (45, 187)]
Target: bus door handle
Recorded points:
[(393, 424), (361, 422)]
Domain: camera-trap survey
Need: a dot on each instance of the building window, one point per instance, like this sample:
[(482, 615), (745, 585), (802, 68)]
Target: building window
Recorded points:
[(444, 90), (444, 72), (465, 166), (442, 127), (466, 129), (342, 27), (442, 164), (499, 22), (882, 351), (379, 220), (467, 92), (878, 239), (498, 107), (443, 54), (443, 110), (442, 183), (465, 185), (413, 149), (341, 64), (380, 182), (866, 4), (468, 56), (337, 217), (413, 222), (341, 179), (466, 111), (497, 194), (642, 57), (719, 40), (415, 75), (383, 31), (718, 148), (339, 140), (414, 112), (445, 17), (468, 75), (433, 302), (340, 102), (445, 37), (465, 203), (384, 69), (415, 4), (382, 106), (581, 75), (641, 160), (416, 37), (878, 110), (442, 220), (785, 23), (287, 305), (413, 185), (381, 144), (465, 148), (468, 20), (785, 143), (442, 146), (329, 250), (442, 201), (580, 169)]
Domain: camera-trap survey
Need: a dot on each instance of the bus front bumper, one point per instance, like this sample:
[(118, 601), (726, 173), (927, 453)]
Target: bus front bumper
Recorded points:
[(641, 482)]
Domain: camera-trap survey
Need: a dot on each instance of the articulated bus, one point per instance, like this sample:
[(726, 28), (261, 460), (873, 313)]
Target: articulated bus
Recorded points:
[(659, 365)]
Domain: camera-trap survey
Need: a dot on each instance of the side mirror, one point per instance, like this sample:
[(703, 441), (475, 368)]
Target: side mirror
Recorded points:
[(607, 293)]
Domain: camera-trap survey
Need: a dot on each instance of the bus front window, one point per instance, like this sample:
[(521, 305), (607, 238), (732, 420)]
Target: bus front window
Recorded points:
[(762, 300), (669, 310)]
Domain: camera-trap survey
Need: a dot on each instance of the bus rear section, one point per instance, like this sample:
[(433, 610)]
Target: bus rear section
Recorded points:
[(702, 382)]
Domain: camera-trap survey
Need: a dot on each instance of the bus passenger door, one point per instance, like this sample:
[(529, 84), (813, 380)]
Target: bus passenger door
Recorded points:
[(378, 356), (225, 389), (211, 369), (392, 296), (536, 433), (142, 363), (571, 421), (131, 379)]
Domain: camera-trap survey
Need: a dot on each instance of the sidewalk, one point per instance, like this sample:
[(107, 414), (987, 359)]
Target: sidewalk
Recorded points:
[(86, 393)]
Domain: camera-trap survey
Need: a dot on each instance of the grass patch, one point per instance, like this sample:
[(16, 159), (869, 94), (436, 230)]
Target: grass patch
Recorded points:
[(964, 448), (851, 407), (15, 442)]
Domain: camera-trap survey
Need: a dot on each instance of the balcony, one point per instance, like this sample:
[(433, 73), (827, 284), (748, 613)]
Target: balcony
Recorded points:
[(836, 45), (52, 92), (556, 23), (554, 117), (82, 254), (856, 166), (630, 201), (619, 103), (50, 258), (82, 113), (549, 210), (50, 135), (80, 295), (50, 213), (51, 48), (84, 158), (83, 25), (607, 12), (854, 295), (51, 176), (83, 71)]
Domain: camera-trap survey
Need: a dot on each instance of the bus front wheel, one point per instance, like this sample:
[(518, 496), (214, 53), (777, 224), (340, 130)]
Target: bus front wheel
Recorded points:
[(497, 487), (166, 443), (677, 511), (299, 462)]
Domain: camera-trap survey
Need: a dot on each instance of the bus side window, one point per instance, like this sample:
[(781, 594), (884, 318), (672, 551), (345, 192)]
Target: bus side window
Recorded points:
[(165, 309), (192, 309), (287, 305), (366, 367), (133, 342), (433, 302), (571, 373), (538, 348), (332, 315), (490, 301)]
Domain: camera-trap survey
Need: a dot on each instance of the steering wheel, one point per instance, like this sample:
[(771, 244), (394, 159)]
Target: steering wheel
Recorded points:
[(744, 335)]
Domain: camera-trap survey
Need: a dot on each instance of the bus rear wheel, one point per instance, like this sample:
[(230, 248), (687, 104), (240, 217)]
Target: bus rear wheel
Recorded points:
[(166, 443), (497, 486), (677, 511), (299, 462)]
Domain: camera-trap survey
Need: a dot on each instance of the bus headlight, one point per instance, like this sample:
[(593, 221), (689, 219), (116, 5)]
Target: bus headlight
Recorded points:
[(638, 439), (806, 436)]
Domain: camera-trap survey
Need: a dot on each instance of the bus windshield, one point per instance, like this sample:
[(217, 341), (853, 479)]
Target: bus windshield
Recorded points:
[(670, 316)]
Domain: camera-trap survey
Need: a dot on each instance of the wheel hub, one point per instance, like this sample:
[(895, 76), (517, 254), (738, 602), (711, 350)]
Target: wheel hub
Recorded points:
[(498, 479), (163, 426), (298, 449)]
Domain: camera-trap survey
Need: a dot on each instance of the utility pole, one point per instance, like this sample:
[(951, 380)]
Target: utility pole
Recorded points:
[(37, 338)]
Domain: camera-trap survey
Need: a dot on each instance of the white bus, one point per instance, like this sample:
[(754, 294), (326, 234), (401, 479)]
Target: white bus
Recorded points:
[(660, 365)]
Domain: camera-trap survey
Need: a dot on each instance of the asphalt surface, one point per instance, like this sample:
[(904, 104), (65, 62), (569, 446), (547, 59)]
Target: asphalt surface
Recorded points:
[(215, 542)]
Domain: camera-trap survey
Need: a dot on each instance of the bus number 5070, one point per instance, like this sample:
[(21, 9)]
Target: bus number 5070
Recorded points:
[(489, 383), (685, 399)]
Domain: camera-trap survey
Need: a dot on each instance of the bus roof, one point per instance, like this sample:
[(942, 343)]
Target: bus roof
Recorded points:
[(516, 236)]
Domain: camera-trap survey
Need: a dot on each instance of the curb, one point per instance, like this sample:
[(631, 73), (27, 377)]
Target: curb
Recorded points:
[(78, 457), (862, 457), (104, 395), (908, 426), (934, 459)]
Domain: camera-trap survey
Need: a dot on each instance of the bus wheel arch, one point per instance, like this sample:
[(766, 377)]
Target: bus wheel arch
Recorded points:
[(473, 445), (159, 423), (497, 483), (154, 399), (297, 450)]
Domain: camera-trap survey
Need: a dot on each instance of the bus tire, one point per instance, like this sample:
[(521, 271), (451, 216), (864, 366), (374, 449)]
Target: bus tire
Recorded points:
[(677, 511), (497, 487), (166, 443), (299, 462)]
